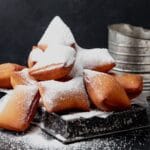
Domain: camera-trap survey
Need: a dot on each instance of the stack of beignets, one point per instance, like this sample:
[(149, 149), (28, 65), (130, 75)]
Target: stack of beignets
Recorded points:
[(64, 77)]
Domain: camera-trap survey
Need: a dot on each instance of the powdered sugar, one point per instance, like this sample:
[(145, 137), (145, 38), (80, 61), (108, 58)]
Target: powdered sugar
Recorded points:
[(21, 99), (57, 55), (91, 73), (54, 89), (27, 79), (35, 55), (38, 140), (57, 32), (27, 94), (87, 115), (5, 90), (89, 59)]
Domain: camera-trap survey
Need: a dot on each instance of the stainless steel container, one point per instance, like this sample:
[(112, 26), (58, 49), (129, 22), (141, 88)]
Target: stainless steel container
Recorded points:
[(135, 68), (129, 36), (130, 47), (130, 59), (130, 51)]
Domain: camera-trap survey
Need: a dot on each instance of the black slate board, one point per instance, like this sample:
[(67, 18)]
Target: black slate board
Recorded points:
[(80, 128)]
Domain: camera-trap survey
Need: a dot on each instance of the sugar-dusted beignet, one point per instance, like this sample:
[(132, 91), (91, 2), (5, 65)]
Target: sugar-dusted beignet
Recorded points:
[(6, 70), (57, 33), (133, 84), (22, 78), (63, 96), (105, 92), (18, 107), (94, 59), (55, 63), (34, 56)]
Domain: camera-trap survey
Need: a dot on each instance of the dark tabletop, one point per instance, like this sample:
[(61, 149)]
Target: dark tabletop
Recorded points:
[(37, 140)]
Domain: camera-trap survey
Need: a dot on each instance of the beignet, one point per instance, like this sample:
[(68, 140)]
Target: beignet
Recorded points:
[(105, 92), (133, 84), (55, 63), (57, 33), (34, 56), (22, 78), (94, 59), (18, 107), (63, 96), (6, 70)]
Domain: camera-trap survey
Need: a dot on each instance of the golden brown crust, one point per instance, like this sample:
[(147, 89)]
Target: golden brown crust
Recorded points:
[(105, 92), (6, 70), (104, 68), (50, 72), (133, 84), (22, 78), (42, 46), (19, 108)]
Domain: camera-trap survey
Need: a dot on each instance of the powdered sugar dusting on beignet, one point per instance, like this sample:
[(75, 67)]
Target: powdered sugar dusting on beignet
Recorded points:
[(57, 32), (17, 107), (91, 59), (34, 56), (60, 96), (57, 54), (22, 78), (91, 73)]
